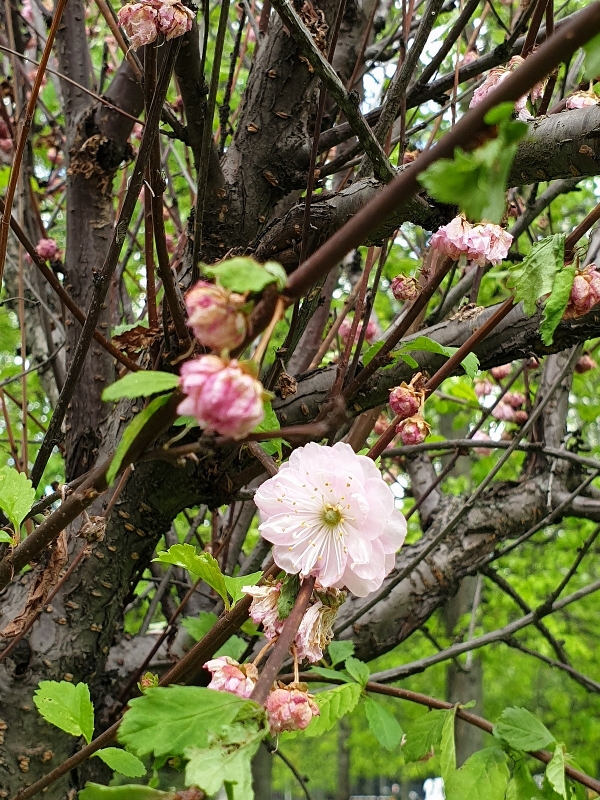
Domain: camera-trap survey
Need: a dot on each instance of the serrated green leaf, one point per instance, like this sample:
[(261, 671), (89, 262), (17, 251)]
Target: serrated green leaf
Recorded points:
[(448, 747), (166, 720), (16, 496), (131, 432), (122, 762), (534, 278), (94, 791), (371, 352), (483, 776), (333, 705), (287, 596), (470, 363), (358, 670), (67, 706), (521, 785), (340, 651), (199, 626), (382, 724), (140, 384), (555, 771), (592, 58), (203, 565), (246, 275), (274, 447), (341, 675), (235, 585), (522, 730), (555, 305), (424, 733)]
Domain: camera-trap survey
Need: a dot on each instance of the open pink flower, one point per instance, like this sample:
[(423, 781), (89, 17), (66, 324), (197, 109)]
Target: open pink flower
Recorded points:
[(174, 19), (290, 709), (47, 249), (479, 243), (483, 388), (221, 396), (496, 76), (140, 23), (582, 100), (229, 676), (585, 292), (215, 316), (480, 436), (329, 513)]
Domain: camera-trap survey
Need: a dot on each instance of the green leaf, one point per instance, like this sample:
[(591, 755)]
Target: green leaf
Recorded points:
[(556, 304), (521, 730), (555, 771), (592, 58), (122, 762), (470, 363), (448, 747), (340, 651), (203, 565), (66, 705), (358, 670), (16, 496), (5, 537), (235, 585), (372, 352), (130, 434), (287, 596), (382, 724), (270, 423), (534, 278), (333, 705), (166, 720), (476, 181), (483, 776), (246, 275), (332, 673), (140, 384), (521, 785), (234, 647), (93, 791), (199, 626), (424, 734)]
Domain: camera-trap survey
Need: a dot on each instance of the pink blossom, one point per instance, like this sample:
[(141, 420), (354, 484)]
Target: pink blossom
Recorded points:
[(585, 364), (405, 288), (47, 249), (496, 76), (480, 436), (582, 100), (381, 425), (413, 430), (405, 401), (468, 58), (290, 709), (229, 676), (263, 609), (55, 156), (222, 396), (521, 417), (479, 243), (504, 412), (492, 79), (6, 145), (483, 388), (503, 371), (585, 292), (514, 399), (329, 513), (316, 629), (174, 19), (140, 23), (215, 316), (344, 331), (27, 12)]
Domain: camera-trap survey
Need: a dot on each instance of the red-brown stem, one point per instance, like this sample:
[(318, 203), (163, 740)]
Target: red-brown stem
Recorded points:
[(24, 133), (534, 27), (580, 231), (281, 649)]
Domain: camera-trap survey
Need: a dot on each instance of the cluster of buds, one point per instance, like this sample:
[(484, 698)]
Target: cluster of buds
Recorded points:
[(143, 21), (582, 100), (496, 76), (509, 409), (224, 396), (371, 333), (405, 288), (585, 292), (316, 629), (215, 316), (407, 401), (585, 364), (478, 243), (47, 249)]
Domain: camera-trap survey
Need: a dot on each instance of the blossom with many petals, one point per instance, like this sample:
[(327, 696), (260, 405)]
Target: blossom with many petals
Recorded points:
[(174, 19), (479, 243), (496, 76), (405, 401), (290, 708), (405, 288), (263, 609), (480, 436), (413, 430), (582, 100), (585, 292), (329, 513), (144, 20), (316, 629), (222, 396), (229, 676), (47, 249), (215, 316)]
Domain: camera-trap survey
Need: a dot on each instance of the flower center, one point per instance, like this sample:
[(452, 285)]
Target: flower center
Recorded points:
[(331, 515)]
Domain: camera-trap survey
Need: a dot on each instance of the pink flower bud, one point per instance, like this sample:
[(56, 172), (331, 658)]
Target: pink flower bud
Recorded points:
[(47, 249), (502, 371), (413, 430), (6, 145), (582, 100), (55, 156), (290, 709), (344, 331), (521, 417), (480, 436), (215, 316), (483, 388), (221, 396), (405, 288), (585, 364), (381, 425), (229, 676), (140, 23), (405, 401), (504, 412), (174, 19), (514, 399), (585, 293)]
